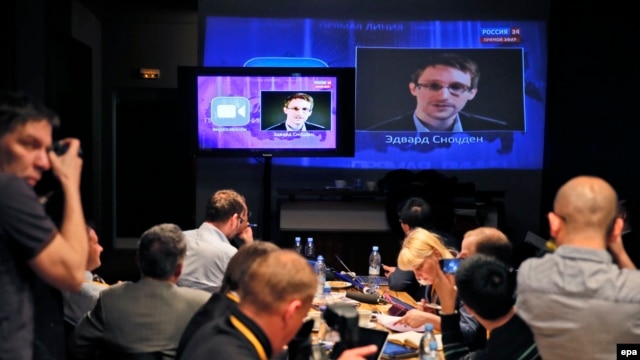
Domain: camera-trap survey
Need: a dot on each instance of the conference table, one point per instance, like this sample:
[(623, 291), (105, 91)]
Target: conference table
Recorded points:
[(383, 308)]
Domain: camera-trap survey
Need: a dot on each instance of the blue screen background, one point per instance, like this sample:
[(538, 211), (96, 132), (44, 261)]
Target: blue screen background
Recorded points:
[(244, 41)]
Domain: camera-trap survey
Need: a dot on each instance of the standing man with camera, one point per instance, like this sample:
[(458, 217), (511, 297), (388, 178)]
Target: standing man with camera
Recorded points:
[(30, 244)]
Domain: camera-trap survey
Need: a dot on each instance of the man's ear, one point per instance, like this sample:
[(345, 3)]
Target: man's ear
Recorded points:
[(555, 223), (178, 271), (616, 230), (290, 311), (412, 88), (472, 93)]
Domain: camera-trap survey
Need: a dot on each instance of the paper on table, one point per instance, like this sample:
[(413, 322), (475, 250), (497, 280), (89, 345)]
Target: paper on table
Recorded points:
[(388, 322)]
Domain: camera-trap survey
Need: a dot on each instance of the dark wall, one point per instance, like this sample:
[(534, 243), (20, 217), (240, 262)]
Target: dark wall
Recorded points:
[(592, 101)]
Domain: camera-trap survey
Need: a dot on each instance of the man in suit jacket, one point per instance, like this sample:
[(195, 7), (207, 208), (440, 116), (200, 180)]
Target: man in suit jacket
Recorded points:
[(144, 316), (298, 107), (442, 87)]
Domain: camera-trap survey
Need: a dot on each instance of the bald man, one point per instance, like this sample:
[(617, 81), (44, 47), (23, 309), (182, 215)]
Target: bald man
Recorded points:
[(488, 241), (577, 301)]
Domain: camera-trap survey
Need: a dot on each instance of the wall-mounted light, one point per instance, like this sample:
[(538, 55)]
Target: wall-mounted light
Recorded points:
[(148, 73)]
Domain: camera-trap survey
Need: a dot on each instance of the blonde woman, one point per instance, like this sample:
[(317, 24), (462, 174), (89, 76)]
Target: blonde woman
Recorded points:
[(420, 253)]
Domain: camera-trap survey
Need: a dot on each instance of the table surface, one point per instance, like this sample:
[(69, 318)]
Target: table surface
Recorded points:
[(383, 308)]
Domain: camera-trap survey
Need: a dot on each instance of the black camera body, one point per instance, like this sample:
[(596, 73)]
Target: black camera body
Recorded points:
[(342, 318), (61, 148)]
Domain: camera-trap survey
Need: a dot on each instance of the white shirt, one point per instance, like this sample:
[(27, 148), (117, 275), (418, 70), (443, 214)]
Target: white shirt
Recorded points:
[(208, 254)]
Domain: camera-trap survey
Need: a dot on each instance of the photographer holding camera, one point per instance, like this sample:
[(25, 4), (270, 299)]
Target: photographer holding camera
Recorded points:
[(30, 244)]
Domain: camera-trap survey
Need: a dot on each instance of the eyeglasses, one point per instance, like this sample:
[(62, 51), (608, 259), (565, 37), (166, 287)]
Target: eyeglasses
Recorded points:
[(243, 220), (454, 89), (295, 108)]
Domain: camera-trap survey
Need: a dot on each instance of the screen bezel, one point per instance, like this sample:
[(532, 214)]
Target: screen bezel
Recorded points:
[(344, 109)]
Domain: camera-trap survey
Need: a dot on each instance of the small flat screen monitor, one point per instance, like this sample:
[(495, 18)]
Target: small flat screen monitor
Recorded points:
[(271, 111)]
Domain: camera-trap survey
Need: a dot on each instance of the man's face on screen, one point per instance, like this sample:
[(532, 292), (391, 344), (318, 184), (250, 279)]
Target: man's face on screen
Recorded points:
[(298, 111), (438, 93)]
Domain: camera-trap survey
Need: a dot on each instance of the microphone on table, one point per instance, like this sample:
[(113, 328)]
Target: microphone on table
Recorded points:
[(366, 298), (368, 295)]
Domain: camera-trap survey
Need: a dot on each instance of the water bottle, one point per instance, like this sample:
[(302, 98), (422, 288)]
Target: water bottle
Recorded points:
[(433, 349), (428, 341), (310, 249), (327, 299), (321, 273), (298, 245), (375, 262)]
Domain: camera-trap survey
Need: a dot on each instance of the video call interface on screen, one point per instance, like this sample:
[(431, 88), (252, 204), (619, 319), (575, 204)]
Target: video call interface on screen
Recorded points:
[(502, 120), (250, 112)]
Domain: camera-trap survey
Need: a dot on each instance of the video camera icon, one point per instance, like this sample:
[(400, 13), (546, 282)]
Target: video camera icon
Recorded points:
[(230, 111)]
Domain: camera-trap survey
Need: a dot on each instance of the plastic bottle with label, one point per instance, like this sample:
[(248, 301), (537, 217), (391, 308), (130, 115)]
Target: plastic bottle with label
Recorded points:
[(310, 248), (428, 344), (321, 273), (298, 245)]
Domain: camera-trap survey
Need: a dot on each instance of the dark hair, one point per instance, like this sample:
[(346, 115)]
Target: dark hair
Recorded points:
[(486, 285), (415, 212), (498, 249), (456, 61), (301, 96), (160, 250), (19, 108), (223, 204)]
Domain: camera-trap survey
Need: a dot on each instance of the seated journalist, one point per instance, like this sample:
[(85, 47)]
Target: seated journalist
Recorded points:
[(275, 297), (486, 286), (442, 87), (210, 247), (220, 303), (78, 303), (420, 251), (415, 212), (146, 316)]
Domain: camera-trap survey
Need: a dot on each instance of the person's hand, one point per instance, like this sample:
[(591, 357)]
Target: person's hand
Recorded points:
[(388, 270), (424, 305), (444, 285), (67, 167), (246, 235), (358, 353), (616, 246), (416, 318)]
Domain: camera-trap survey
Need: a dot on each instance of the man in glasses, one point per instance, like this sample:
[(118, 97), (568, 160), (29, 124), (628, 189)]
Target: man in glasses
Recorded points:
[(298, 108), (208, 247), (442, 87)]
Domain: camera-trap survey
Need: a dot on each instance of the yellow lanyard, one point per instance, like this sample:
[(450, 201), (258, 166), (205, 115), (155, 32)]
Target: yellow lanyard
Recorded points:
[(250, 336), (233, 296)]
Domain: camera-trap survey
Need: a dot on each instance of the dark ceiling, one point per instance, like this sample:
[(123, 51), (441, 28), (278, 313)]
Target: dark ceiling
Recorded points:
[(103, 8)]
